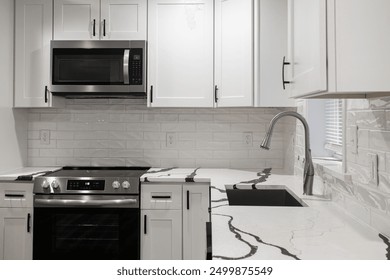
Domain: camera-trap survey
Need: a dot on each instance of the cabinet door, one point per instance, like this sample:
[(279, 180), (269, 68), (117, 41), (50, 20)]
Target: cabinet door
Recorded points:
[(362, 43), (180, 57), (161, 234), (15, 233), (33, 32), (196, 203), (76, 20), (307, 46), (123, 19), (234, 52), (270, 48)]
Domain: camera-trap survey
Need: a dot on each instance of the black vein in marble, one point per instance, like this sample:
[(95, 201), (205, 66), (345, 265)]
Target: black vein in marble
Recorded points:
[(161, 170), (190, 178), (146, 180), (387, 242), (220, 200), (263, 178), (217, 206), (252, 248), (236, 231), (215, 188)]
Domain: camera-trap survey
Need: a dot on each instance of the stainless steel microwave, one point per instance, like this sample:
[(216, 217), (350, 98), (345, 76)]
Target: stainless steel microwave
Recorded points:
[(83, 69)]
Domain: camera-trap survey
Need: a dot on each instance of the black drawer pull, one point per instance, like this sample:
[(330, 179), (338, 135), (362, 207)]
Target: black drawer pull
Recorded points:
[(28, 222), (145, 220), (46, 97), (15, 195), (188, 200), (161, 196), (94, 28)]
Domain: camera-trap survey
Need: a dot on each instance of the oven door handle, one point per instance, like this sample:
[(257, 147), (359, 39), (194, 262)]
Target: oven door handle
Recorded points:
[(105, 203)]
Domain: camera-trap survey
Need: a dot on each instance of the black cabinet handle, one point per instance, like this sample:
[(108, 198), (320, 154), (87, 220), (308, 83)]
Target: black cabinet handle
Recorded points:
[(209, 245), (46, 97), (28, 222), (188, 200), (14, 195), (216, 94), (104, 27), (145, 220), (283, 81), (94, 28), (151, 94), (161, 196)]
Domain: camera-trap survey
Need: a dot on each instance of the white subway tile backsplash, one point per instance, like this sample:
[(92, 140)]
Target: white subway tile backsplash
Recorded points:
[(108, 161), (65, 135), (125, 132), (91, 135), (178, 127), (126, 118), (92, 153), (125, 153), (56, 153), (125, 135), (133, 127)]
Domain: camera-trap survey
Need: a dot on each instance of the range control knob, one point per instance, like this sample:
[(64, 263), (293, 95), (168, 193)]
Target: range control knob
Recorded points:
[(116, 185), (54, 184), (125, 184), (45, 185)]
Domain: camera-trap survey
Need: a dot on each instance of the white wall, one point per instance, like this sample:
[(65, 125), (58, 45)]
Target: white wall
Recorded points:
[(13, 123)]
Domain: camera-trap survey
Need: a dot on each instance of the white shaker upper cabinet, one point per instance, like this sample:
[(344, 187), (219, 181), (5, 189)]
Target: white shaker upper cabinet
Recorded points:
[(362, 44), (180, 43), (234, 53), (100, 19), (76, 20), (33, 32), (339, 48), (123, 19), (307, 46)]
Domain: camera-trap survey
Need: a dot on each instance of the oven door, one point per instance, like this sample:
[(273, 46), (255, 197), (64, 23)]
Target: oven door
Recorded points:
[(90, 227)]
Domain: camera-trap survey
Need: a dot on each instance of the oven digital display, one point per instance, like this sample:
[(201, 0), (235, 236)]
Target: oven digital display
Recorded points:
[(85, 185)]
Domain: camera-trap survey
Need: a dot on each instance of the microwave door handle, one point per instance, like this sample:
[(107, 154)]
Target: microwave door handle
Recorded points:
[(126, 58)]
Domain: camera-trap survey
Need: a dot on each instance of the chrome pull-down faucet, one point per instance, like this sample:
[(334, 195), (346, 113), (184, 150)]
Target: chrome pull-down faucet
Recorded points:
[(308, 172)]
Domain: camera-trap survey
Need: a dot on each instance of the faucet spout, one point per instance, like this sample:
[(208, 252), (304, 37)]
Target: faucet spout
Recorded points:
[(308, 172)]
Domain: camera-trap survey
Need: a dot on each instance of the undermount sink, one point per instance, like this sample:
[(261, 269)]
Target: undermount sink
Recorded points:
[(271, 195)]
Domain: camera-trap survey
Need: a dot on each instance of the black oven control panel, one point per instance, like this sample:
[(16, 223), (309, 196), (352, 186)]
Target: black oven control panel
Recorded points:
[(85, 185)]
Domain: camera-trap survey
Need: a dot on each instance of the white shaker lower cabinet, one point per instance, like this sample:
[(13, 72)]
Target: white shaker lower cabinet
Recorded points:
[(173, 221), (161, 231), (16, 221), (195, 215)]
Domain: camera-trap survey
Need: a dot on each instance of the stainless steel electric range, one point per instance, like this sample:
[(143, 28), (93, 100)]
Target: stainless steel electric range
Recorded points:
[(87, 213)]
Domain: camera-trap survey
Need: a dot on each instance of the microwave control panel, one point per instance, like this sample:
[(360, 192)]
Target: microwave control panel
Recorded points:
[(136, 66)]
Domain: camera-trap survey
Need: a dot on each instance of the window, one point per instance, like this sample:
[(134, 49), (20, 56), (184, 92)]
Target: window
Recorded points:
[(325, 119), (334, 127)]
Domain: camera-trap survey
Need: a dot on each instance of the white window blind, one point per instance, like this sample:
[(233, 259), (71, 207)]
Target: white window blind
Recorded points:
[(334, 125)]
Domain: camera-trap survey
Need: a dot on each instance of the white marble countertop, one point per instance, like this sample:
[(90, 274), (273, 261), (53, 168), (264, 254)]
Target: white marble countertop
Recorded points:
[(12, 175), (320, 231)]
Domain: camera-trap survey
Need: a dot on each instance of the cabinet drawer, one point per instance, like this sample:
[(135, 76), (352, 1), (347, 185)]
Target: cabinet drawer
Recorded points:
[(161, 196), (16, 195)]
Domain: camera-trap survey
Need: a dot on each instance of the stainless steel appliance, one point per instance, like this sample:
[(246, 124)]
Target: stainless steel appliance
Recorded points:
[(87, 213), (83, 69)]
